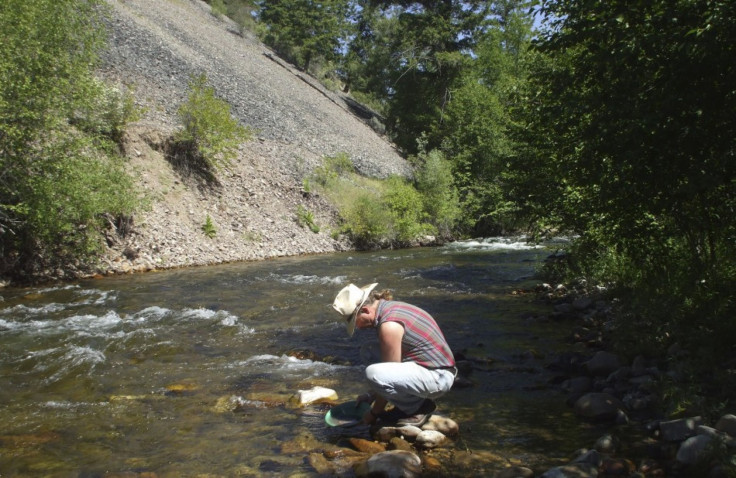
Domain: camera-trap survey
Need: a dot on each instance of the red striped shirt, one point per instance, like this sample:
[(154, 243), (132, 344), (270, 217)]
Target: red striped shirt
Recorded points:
[(423, 341)]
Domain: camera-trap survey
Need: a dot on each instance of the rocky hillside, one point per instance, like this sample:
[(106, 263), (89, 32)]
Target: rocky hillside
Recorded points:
[(155, 48)]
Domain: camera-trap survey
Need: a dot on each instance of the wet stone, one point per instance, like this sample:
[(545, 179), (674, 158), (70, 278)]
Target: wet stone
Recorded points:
[(444, 425), (397, 443), (366, 446), (430, 439), (515, 472), (321, 464), (391, 464)]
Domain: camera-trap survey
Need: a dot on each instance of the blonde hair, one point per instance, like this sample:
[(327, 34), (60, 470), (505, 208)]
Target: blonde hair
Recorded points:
[(385, 294)]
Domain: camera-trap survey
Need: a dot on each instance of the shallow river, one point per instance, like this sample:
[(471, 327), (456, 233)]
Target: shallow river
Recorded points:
[(135, 373)]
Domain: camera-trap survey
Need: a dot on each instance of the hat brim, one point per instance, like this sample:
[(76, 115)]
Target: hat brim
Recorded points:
[(350, 326)]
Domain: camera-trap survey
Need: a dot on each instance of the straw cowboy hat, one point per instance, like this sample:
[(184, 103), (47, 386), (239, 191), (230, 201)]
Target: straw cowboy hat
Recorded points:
[(349, 301)]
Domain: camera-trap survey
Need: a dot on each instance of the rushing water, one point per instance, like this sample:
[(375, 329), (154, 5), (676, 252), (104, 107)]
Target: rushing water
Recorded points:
[(139, 373)]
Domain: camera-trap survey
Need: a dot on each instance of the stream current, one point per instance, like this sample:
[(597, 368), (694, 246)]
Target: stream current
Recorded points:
[(135, 373)]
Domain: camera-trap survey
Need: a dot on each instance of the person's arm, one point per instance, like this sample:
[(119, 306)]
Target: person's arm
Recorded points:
[(389, 339)]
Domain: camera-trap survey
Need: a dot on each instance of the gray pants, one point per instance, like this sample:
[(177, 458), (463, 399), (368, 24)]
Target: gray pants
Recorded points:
[(406, 384)]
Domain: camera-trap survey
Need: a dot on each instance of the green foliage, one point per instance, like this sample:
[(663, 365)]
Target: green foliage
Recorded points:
[(304, 31), (209, 125), (364, 220), (209, 228), (628, 136), (305, 218), (404, 208), (439, 196), (332, 168), (107, 111), (61, 178), (218, 7)]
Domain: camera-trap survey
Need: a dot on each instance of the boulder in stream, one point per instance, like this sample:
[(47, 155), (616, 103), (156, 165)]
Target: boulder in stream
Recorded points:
[(390, 464), (599, 406), (313, 395)]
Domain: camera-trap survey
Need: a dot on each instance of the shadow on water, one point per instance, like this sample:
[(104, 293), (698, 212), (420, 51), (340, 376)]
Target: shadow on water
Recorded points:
[(190, 371)]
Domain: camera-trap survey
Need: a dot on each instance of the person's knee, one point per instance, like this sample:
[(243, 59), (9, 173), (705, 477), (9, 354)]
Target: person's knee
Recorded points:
[(372, 373)]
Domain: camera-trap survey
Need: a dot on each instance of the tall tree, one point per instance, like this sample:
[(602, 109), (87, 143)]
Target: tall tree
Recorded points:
[(631, 130), (304, 30), (475, 128), (57, 178), (430, 44)]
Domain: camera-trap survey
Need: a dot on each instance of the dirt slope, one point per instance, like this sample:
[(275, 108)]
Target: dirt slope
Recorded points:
[(155, 47)]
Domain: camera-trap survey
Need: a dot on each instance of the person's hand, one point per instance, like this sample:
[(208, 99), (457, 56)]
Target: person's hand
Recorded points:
[(369, 417), (365, 397)]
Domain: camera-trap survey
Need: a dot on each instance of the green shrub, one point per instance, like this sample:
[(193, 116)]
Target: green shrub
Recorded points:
[(209, 228), (62, 180), (439, 195), (107, 110), (365, 221), (218, 8), (405, 210), (332, 168), (209, 125), (306, 218)]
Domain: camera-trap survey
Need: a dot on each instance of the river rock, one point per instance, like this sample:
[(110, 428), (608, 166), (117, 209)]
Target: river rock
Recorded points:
[(598, 406), (366, 446), (390, 464), (617, 467), (606, 444), (385, 434), (680, 429), (430, 439), (431, 465), (727, 424), (444, 425), (715, 433), (230, 403), (314, 394), (691, 449), (515, 472), (410, 432), (582, 303), (591, 457), (397, 443), (321, 464), (573, 470), (603, 363)]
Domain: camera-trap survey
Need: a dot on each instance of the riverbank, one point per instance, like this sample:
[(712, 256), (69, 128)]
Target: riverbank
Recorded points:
[(626, 395)]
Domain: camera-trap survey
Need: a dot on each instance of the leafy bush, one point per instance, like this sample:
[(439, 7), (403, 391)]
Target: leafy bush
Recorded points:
[(107, 110), (209, 228), (209, 126), (440, 201), (218, 8), (61, 176), (332, 168), (364, 221), (404, 210), (306, 218)]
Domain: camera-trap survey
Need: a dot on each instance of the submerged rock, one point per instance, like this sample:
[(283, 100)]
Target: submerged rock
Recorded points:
[(680, 429), (598, 406), (430, 439), (313, 395), (366, 446), (515, 472), (390, 464), (444, 425)]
